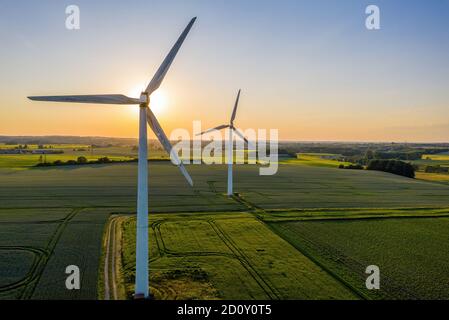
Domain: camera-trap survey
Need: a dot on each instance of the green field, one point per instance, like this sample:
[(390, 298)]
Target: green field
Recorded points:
[(317, 159), (440, 159), (231, 256), (37, 244), (71, 152), (412, 254), (213, 246)]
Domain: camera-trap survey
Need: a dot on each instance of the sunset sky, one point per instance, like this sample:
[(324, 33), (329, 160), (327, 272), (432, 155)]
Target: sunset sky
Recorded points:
[(308, 68)]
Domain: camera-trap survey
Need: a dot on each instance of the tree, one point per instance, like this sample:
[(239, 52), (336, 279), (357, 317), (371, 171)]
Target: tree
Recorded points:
[(81, 160)]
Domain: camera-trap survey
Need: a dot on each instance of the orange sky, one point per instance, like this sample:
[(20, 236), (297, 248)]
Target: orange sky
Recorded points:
[(312, 74)]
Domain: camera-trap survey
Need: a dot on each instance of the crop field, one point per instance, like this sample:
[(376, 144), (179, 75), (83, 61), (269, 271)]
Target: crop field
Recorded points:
[(334, 247), (434, 160), (412, 254), (37, 244), (440, 159), (203, 244), (232, 256), (435, 177), (321, 187), (317, 159), (70, 152)]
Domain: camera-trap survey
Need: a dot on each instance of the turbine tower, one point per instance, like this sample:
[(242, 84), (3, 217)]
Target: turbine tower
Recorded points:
[(145, 115), (232, 129)]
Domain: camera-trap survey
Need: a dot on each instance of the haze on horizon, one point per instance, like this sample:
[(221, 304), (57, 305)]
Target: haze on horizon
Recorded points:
[(308, 68)]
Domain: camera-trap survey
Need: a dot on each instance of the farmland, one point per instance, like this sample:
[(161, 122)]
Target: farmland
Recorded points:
[(231, 256), (441, 159), (36, 246), (412, 254), (205, 245), (317, 159), (68, 152)]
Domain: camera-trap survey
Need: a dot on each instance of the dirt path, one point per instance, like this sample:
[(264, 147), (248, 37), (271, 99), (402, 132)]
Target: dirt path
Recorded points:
[(110, 275)]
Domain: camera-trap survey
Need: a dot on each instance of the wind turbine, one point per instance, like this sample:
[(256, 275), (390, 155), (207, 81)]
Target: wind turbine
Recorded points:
[(145, 115), (232, 129)]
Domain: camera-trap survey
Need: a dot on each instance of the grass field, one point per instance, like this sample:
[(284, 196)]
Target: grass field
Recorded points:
[(213, 246)]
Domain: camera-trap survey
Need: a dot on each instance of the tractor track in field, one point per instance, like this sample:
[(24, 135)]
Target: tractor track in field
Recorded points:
[(38, 254), (164, 251), (256, 210), (236, 253), (42, 256), (269, 290), (29, 290)]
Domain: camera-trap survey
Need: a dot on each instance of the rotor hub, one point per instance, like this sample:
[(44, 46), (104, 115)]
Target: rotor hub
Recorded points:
[(144, 98)]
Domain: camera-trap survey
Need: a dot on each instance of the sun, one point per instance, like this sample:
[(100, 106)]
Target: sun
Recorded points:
[(158, 100)]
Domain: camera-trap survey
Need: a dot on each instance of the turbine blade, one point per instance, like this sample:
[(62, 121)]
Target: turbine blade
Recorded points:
[(213, 129), (160, 134), (234, 112), (100, 99), (162, 71), (237, 132)]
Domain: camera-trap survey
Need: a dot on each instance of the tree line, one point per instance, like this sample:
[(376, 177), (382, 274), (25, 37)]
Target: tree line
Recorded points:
[(392, 166)]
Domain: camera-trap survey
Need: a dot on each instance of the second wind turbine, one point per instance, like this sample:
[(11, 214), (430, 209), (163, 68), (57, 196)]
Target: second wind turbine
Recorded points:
[(232, 129)]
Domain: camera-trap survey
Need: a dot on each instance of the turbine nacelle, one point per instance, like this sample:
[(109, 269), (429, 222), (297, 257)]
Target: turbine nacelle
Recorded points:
[(231, 123), (144, 98)]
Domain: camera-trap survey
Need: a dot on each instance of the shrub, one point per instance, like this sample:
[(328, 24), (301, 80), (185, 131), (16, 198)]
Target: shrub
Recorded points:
[(104, 160), (81, 160)]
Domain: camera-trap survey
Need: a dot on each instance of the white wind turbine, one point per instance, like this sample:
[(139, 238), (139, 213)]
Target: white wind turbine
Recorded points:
[(146, 115), (232, 129)]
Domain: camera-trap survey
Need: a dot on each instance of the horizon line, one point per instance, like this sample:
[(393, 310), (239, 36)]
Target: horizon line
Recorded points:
[(280, 140)]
